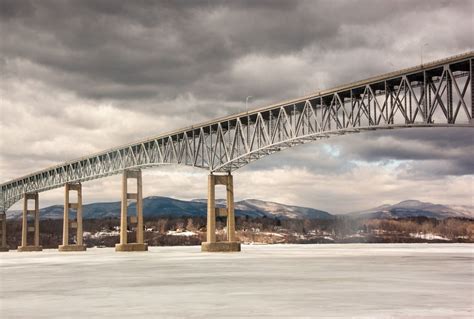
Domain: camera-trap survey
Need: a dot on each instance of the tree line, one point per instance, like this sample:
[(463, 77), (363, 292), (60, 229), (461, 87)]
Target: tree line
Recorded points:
[(260, 229)]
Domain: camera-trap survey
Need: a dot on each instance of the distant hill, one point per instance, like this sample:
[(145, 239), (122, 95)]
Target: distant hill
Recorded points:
[(271, 209), (415, 208), (157, 206)]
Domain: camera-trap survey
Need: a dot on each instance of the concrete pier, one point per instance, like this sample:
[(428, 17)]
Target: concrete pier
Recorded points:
[(230, 244), (67, 223), (25, 229), (3, 232), (124, 245)]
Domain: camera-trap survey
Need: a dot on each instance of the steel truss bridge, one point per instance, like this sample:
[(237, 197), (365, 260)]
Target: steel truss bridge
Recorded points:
[(436, 94)]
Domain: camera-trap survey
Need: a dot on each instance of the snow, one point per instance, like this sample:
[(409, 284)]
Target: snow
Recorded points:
[(272, 234), (428, 236), (185, 233), (284, 281), (101, 234), (463, 210)]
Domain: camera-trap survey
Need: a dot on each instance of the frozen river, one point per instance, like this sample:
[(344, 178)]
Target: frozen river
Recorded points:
[(287, 281)]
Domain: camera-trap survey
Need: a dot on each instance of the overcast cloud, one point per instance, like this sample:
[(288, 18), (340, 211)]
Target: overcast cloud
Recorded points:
[(81, 76)]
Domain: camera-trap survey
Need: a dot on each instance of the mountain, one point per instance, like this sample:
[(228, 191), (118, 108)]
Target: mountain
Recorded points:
[(260, 208), (272, 209), (157, 206), (415, 208)]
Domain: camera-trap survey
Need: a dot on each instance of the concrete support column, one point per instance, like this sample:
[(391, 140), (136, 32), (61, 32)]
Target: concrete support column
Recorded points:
[(230, 209), (24, 223), (211, 245), (66, 216), (124, 245), (80, 231), (211, 209), (139, 208), (124, 210), (25, 229), (3, 232), (67, 223), (37, 221)]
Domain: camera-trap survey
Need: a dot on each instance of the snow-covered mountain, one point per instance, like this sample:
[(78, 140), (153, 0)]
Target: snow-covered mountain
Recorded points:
[(156, 206), (414, 208), (271, 209)]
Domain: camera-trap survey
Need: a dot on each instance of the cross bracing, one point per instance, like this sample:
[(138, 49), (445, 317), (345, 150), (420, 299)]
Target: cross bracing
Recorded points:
[(437, 94)]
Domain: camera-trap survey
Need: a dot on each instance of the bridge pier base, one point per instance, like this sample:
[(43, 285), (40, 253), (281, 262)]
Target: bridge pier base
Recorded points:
[(211, 245), (25, 229), (124, 245), (3, 232), (79, 246)]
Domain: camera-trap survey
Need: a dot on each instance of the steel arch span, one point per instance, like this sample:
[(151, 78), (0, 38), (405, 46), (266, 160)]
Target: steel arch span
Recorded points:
[(436, 94)]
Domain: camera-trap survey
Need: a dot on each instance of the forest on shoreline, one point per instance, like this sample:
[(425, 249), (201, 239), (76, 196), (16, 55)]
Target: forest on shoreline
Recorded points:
[(173, 231)]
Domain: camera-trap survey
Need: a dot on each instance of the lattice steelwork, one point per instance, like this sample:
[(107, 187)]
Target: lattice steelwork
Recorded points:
[(435, 94)]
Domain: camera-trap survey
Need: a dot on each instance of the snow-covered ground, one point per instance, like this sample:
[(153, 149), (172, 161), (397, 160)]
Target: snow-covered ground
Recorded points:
[(185, 233), (428, 236), (286, 281)]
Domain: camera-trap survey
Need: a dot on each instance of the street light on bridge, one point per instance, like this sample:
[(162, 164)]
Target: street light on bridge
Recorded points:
[(247, 102), (421, 52)]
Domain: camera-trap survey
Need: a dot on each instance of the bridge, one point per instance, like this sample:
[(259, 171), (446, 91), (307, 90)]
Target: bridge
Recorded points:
[(435, 94)]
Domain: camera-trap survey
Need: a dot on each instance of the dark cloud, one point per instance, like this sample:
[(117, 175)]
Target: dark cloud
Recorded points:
[(417, 153), (12, 9), (420, 146), (137, 50)]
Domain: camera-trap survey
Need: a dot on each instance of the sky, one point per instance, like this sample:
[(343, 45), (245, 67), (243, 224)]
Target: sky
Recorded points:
[(78, 77)]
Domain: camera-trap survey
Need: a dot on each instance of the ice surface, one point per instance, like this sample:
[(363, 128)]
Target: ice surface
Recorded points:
[(286, 281)]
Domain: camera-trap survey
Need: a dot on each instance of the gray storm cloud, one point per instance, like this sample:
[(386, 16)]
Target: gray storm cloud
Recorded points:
[(82, 76)]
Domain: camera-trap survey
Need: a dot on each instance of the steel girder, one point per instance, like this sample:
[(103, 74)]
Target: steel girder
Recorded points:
[(435, 94)]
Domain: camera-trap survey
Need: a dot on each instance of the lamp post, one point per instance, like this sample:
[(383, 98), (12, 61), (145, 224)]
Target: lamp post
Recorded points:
[(421, 52), (247, 102)]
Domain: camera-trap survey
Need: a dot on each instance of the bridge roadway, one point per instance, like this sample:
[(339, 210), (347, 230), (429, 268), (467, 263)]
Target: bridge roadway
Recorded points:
[(435, 94)]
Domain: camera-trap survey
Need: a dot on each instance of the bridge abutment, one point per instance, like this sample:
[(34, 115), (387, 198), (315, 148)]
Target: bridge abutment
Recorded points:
[(124, 245), (211, 245), (67, 223), (3, 232), (25, 229)]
